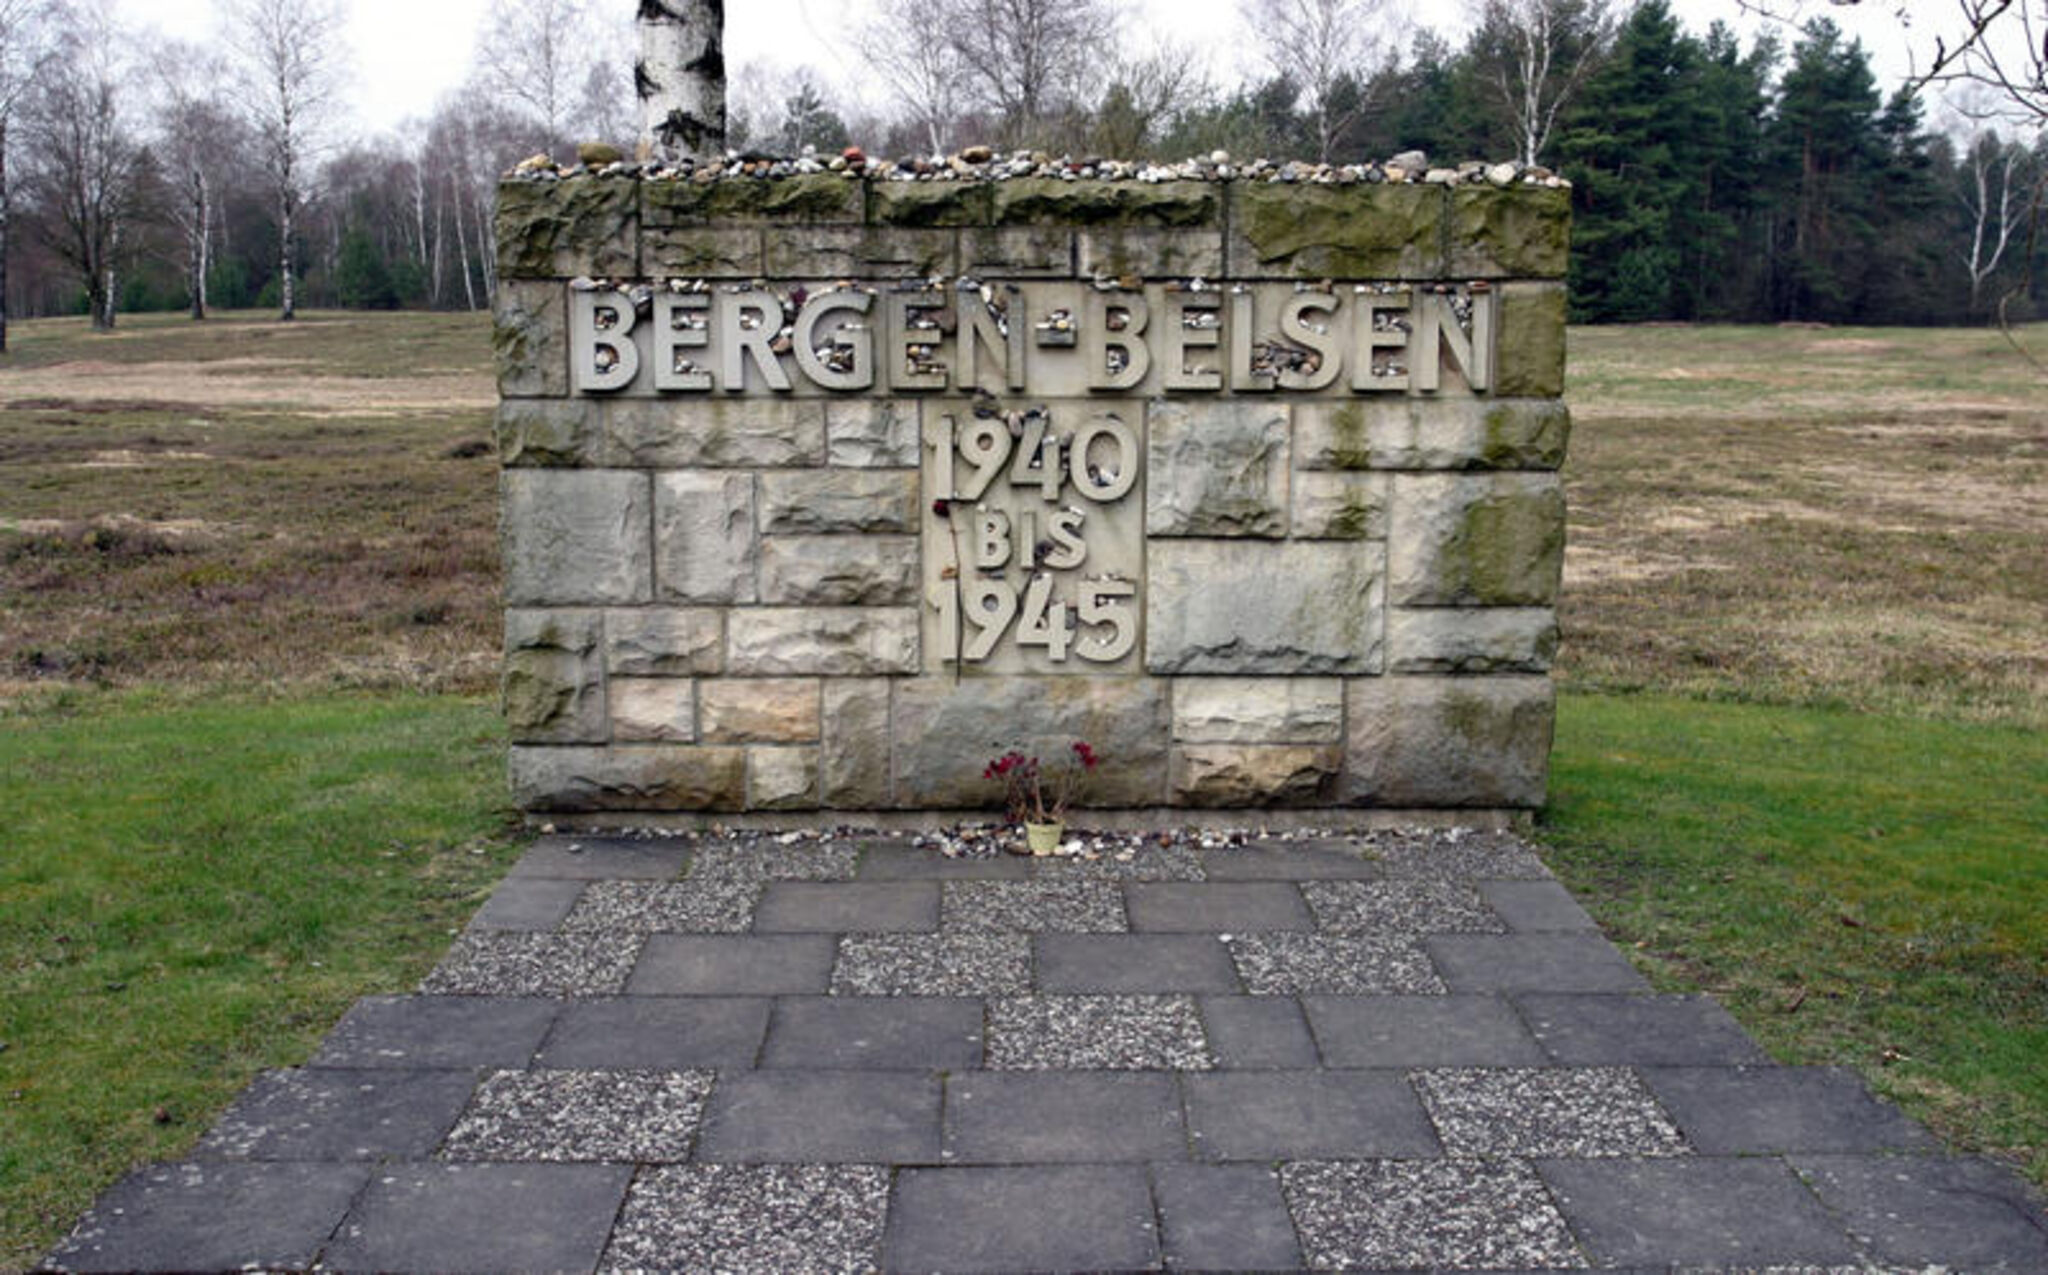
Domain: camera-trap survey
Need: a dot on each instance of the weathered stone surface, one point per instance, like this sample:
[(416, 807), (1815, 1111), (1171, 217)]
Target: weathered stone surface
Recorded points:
[(1017, 251), (1216, 468), (1529, 350), (835, 252), (1314, 232), (1448, 741), (548, 432), (530, 339), (1521, 232), (653, 710), (706, 549), (665, 642), (1471, 640), (871, 433), (822, 641), (1340, 506), (782, 779), (1117, 251), (575, 536), (760, 710), (1258, 710), (559, 230), (1416, 433), (853, 769), (946, 732), (1255, 774), (1238, 606), (806, 198), (715, 433), (930, 203), (1476, 540), (553, 685), (839, 570), (839, 501), (573, 780), (703, 253), (1049, 201)]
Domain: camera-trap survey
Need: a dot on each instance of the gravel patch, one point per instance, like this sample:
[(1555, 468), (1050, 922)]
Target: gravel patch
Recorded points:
[(1054, 904), (1454, 853), (760, 859), (1399, 907), (581, 1115), (708, 906), (1288, 964), (1581, 1112), (1405, 1214), (744, 1219), (1109, 857), (518, 964), (932, 965), (1119, 1033)]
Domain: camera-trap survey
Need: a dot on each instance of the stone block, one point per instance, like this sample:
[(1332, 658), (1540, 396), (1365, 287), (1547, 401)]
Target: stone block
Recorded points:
[(653, 710), (853, 767), (803, 199), (826, 502), (1241, 607), (877, 252), (530, 339), (1261, 710), (553, 685), (1514, 232), (1419, 742), (1471, 640), (782, 779), (1255, 774), (930, 204), (822, 642), (575, 536), (839, 570), (760, 711), (1216, 468), (1339, 506), (1052, 202), (1476, 540), (1118, 251), (714, 433), (583, 780), (562, 229), (1017, 252), (1292, 231), (945, 732), (543, 433), (729, 252), (1529, 346), (1454, 434), (706, 549), (665, 642), (872, 433)]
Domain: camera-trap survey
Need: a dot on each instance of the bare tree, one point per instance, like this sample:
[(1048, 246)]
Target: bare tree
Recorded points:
[(681, 78), (1997, 47), (1323, 45), (1146, 92), (920, 72), (289, 54), (197, 133), (24, 45), (85, 158), (1027, 59), (1992, 190), (1535, 55), (535, 56)]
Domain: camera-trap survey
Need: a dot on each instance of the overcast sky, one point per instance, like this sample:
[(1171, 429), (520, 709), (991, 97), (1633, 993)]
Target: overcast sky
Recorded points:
[(407, 53)]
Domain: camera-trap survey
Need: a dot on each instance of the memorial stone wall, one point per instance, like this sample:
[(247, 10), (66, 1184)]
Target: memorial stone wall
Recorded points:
[(820, 490)]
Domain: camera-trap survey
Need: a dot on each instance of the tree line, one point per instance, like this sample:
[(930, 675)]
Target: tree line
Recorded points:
[(1712, 180)]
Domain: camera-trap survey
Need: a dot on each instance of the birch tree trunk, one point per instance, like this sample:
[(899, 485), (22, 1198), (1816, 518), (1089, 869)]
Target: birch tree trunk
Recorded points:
[(681, 79)]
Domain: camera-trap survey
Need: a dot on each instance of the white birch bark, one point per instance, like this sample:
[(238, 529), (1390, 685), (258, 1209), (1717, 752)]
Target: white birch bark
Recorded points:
[(681, 79)]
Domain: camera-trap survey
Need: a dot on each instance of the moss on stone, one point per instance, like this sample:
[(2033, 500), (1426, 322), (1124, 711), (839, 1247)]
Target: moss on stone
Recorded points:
[(1529, 345), (1350, 445), (1524, 435), (1364, 232), (811, 197), (1521, 232), (930, 203), (1035, 201), (547, 229), (1506, 549)]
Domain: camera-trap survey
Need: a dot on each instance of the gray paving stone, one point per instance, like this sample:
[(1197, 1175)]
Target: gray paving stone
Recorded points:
[(882, 861), (1275, 1115), (1121, 1033), (712, 906), (1532, 962), (603, 859), (752, 1219), (1918, 1211), (1066, 904), (761, 860), (1695, 1211), (619, 1116), (1457, 1214), (733, 965), (1063, 1117), (1317, 860), (1456, 854), (932, 965), (1286, 964), (839, 1117), (218, 1216), (1227, 907), (1133, 963), (1579, 1111), (658, 1033), (1421, 1031), (528, 903), (908, 1033), (481, 1217), (1257, 1031), (1594, 1029), (1224, 1217), (1150, 862), (339, 1113), (1399, 907), (839, 907), (438, 1031), (509, 964), (1042, 1217), (1536, 906), (1767, 1110)]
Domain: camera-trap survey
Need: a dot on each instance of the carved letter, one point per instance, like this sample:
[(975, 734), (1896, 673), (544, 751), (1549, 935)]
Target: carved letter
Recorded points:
[(1371, 334), (991, 539), (681, 322), (606, 358), (904, 374), (1178, 338), (979, 331), (737, 341), (1295, 328), (1097, 341), (859, 344)]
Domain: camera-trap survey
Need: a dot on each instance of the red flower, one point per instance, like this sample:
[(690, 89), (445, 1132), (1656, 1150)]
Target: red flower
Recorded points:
[(1083, 751)]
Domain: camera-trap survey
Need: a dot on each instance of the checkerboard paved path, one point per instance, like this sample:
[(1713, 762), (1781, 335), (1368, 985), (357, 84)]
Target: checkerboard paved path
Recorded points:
[(1392, 1052)]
